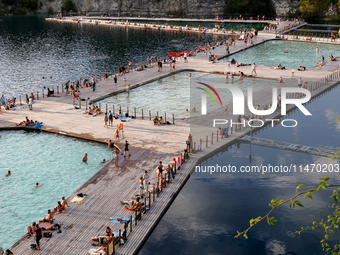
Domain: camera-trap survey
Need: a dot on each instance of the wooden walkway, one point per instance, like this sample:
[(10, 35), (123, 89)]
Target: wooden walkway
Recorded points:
[(104, 191)]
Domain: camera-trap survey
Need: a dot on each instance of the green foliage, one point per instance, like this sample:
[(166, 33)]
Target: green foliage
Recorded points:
[(21, 7), (332, 222), (250, 7), (315, 9), (68, 6), (50, 10)]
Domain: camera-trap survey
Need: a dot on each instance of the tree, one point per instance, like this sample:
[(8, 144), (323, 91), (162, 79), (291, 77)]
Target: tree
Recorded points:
[(332, 222), (68, 6)]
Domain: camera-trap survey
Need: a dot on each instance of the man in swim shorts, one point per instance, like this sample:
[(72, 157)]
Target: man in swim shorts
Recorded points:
[(48, 218), (64, 202), (126, 149), (102, 239), (85, 158), (128, 90)]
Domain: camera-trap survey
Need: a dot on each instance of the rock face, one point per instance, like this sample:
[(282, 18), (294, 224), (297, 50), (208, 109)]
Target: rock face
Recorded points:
[(145, 8), (286, 6)]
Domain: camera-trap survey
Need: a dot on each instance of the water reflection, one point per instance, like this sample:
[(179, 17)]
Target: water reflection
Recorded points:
[(211, 207)]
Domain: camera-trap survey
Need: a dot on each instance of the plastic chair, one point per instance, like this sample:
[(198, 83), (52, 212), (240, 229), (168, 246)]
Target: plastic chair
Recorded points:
[(120, 128), (293, 71)]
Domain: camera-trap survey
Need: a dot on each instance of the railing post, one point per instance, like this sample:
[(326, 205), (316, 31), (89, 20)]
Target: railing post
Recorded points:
[(206, 141), (149, 200), (136, 218), (165, 117), (106, 108), (142, 115), (217, 136), (86, 105), (149, 114), (57, 89), (37, 95), (173, 118), (62, 88), (20, 100), (131, 223), (79, 104)]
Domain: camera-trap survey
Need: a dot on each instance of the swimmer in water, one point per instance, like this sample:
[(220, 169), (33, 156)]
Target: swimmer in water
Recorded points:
[(37, 185), (8, 174), (85, 158), (104, 161)]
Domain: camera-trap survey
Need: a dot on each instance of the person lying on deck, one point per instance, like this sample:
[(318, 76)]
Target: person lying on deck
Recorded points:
[(242, 64), (101, 249), (130, 202), (102, 239)]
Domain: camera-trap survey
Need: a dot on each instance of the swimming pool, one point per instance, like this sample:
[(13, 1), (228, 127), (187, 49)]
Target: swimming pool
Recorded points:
[(52, 160), (287, 53), (174, 94)]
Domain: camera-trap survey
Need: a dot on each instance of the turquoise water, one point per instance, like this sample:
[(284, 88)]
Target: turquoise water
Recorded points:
[(171, 95), (287, 53), (52, 160)]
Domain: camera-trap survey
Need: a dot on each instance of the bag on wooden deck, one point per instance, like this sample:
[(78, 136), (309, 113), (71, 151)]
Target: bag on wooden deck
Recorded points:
[(47, 234), (33, 246)]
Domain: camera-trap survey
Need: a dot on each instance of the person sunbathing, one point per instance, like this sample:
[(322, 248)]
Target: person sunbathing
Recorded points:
[(155, 121), (161, 121), (59, 208), (31, 229), (302, 68), (129, 202), (242, 64), (48, 218), (103, 239), (101, 249)]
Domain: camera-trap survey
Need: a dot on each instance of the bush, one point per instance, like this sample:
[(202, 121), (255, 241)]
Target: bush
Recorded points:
[(50, 11), (68, 6), (250, 7)]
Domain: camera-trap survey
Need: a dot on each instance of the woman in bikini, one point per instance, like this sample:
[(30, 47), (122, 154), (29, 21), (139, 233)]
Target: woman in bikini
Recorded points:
[(116, 157)]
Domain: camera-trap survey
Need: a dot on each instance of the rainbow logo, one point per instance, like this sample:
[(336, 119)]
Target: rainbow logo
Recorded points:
[(209, 93)]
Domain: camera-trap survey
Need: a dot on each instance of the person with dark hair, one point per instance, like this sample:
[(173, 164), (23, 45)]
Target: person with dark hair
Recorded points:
[(38, 236)]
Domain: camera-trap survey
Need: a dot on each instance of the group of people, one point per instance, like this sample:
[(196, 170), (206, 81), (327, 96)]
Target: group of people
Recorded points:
[(158, 121), (29, 123)]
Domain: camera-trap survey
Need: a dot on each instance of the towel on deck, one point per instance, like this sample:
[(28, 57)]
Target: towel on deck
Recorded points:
[(123, 220), (77, 199), (46, 225), (92, 252)]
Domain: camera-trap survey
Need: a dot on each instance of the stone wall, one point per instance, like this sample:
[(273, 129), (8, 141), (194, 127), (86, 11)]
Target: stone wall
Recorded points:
[(144, 8)]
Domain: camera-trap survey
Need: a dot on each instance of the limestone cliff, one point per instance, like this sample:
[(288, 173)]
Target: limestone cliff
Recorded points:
[(195, 8)]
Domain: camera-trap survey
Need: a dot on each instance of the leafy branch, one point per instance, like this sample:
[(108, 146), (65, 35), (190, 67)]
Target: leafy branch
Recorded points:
[(331, 223)]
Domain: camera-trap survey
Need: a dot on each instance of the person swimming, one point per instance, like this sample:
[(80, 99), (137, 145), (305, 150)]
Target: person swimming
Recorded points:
[(8, 174), (37, 185), (104, 161)]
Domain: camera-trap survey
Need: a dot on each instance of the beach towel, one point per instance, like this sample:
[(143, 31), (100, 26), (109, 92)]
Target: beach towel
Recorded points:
[(123, 220), (77, 199), (2, 111), (44, 226)]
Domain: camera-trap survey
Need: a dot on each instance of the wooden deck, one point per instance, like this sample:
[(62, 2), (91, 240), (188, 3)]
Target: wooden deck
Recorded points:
[(104, 190)]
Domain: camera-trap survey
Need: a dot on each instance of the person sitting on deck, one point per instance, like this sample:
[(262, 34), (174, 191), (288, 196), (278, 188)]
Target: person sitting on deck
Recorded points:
[(155, 121), (31, 229), (50, 92), (74, 94), (48, 218), (103, 239), (59, 208), (233, 62), (302, 68), (161, 121)]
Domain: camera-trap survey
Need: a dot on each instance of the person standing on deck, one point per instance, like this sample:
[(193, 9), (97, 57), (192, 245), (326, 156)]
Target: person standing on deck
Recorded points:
[(300, 82), (126, 150), (253, 67)]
